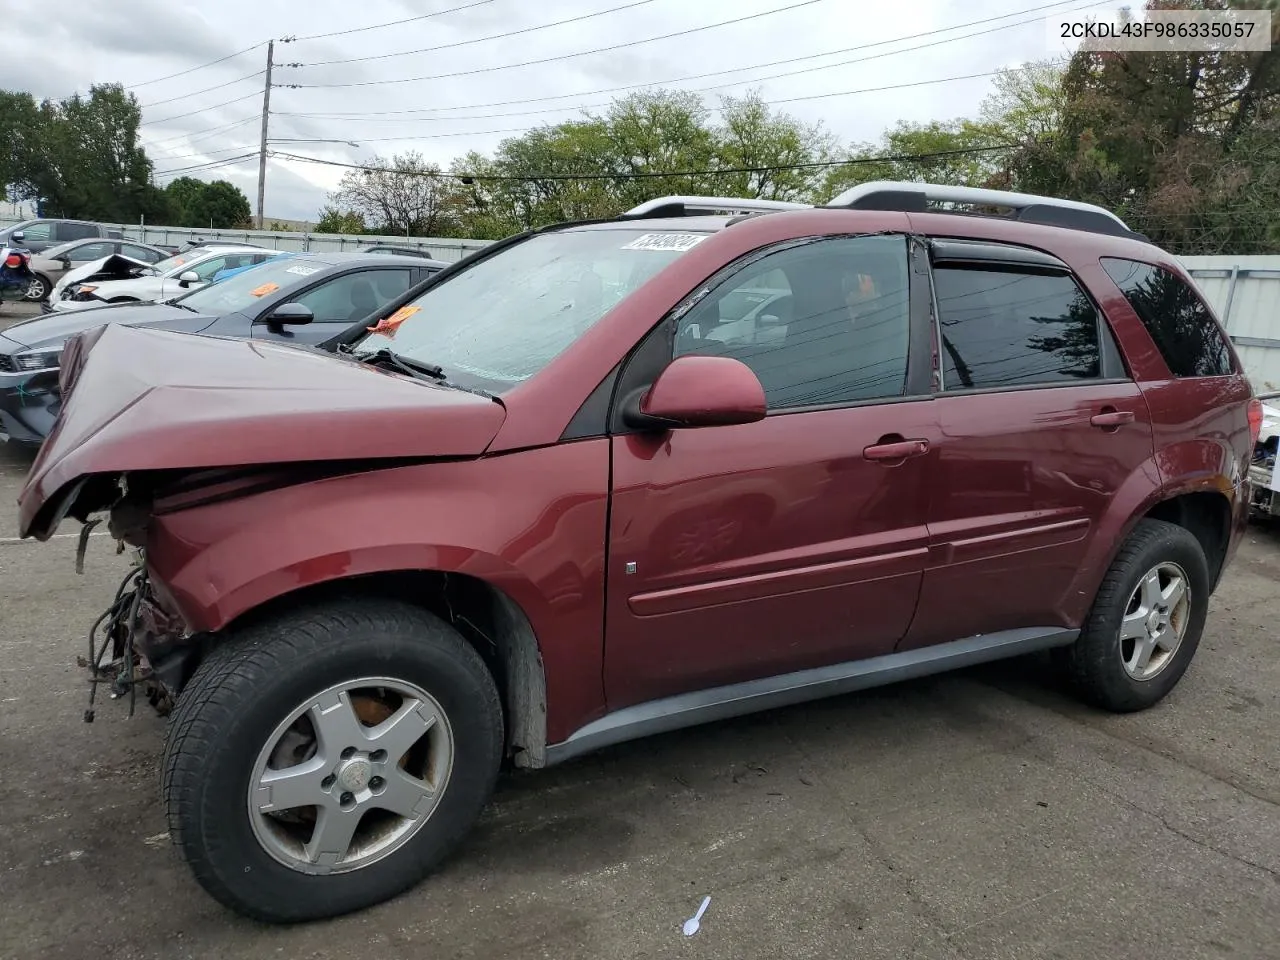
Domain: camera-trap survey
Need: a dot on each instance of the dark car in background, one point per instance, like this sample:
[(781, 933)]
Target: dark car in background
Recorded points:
[(303, 299), (51, 265), (42, 233)]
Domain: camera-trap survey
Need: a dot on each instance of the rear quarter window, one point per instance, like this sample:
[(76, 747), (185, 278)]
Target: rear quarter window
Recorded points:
[(1178, 321)]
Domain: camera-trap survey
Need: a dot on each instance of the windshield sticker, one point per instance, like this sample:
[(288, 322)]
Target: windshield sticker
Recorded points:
[(389, 325), (263, 290), (665, 241), (302, 271)]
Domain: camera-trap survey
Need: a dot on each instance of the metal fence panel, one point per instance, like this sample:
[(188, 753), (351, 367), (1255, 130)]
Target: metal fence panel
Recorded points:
[(441, 248)]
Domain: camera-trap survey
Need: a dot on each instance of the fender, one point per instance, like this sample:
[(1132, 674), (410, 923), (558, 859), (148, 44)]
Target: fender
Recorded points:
[(530, 524), (1197, 466)]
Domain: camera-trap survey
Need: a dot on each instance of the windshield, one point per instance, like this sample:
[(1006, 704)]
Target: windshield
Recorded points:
[(242, 290), (170, 264), (503, 320)]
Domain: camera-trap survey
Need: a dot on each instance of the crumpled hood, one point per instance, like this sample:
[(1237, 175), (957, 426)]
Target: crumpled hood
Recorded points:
[(137, 399), (51, 329), (114, 263)]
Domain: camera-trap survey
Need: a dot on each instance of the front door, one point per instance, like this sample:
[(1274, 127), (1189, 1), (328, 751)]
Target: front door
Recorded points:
[(798, 541), (1041, 426), (338, 302)]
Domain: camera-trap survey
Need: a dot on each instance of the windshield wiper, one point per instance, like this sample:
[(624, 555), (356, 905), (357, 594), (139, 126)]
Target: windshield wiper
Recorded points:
[(403, 364)]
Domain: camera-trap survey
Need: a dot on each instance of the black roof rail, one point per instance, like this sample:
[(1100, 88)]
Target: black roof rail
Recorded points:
[(1028, 208), (681, 206)]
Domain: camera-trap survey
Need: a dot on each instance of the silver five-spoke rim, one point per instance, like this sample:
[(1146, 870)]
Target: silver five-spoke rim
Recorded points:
[(350, 775), (1155, 621)]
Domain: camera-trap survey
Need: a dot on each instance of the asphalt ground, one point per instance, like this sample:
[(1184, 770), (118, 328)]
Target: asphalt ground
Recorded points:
[(979, 815)]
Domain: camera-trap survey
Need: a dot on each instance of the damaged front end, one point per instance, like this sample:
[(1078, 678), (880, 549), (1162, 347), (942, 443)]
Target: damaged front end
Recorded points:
[(139, 641)]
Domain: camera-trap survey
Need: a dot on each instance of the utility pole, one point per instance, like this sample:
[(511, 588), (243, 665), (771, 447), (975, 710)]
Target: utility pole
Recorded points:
[(262, 151)]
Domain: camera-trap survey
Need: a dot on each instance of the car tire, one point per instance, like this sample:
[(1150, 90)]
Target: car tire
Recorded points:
[(39, 288), (229, 713), (1134, 613)]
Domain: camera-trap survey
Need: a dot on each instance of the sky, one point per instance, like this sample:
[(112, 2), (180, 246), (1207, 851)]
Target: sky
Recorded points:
[(477, 87)]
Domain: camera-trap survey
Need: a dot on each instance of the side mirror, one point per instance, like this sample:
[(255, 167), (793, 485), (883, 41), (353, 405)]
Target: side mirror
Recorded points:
[(699, 392), (291, 313), (17, 238), (188, 277)]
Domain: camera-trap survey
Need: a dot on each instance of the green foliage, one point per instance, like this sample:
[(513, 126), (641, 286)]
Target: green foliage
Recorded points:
[(83, 158), (219, 205), (333, 220)]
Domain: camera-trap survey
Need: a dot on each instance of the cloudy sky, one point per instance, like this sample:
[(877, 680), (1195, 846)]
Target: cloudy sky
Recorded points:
[(369, 74)]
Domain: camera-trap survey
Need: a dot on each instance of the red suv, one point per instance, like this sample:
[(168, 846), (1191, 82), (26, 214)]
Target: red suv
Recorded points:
[(614, 478)]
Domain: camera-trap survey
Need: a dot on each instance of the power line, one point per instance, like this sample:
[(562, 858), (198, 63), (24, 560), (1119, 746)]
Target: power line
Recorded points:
[(812, 96), (213, 164), (654, 175), (494, 36), (379, 26), (192, 113), (565, 56), (211, 63), (204, 133), (372, 115), (196, 93)]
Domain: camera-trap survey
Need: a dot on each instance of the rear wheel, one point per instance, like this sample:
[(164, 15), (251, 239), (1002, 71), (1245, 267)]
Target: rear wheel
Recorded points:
[(328, 761), (1145, 623), (39, 288)]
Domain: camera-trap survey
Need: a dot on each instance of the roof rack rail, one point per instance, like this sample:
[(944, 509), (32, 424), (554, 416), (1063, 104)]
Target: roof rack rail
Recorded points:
[(679, 206), (911, 197)]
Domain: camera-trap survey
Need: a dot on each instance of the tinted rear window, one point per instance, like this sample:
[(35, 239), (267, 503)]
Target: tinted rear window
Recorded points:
[(1001, 328), (1184, 331)]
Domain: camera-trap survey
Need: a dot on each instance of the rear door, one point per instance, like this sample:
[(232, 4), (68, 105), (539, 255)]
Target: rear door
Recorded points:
[(749, 551), (338, 302), (1040, 423)]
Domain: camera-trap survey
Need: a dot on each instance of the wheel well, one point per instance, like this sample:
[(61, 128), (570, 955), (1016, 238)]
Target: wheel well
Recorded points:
[(1208, 517), (485, 617)]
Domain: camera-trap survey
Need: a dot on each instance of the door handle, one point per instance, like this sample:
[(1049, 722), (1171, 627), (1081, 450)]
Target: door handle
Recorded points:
[(900, 450), (1111, 418)]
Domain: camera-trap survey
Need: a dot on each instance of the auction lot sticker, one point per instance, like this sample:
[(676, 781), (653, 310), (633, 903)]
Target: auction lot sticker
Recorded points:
[(677, 242)]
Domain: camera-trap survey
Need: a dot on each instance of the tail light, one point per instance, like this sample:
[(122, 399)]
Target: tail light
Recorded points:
[(14, 260), (1255, 421)]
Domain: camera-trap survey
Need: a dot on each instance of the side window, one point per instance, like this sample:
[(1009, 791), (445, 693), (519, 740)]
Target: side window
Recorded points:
[(1184, 331), (1002, 328), (354, 296), (823, 322), (91, 251), (139, 253), (38, 231), (76, 231), (205, 271)]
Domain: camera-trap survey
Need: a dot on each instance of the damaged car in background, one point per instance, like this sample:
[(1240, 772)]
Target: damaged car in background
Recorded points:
[(1264, 472), (580, 488), (121, 279)]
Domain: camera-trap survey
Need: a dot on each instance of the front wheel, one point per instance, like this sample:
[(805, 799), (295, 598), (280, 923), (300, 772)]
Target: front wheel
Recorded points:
[(1145, 623), (329, 760)]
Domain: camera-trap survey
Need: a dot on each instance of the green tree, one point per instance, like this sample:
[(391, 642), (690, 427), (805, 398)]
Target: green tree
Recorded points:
[(219, 205), (751, 135), (89, 162), (404, 195), (21, 126), (333, 220), (1181, 144)]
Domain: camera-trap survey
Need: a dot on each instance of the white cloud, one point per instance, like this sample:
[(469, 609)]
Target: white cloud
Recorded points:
[(132, 41)]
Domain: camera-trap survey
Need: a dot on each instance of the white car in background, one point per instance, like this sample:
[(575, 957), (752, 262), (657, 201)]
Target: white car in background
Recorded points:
[(144, 283)]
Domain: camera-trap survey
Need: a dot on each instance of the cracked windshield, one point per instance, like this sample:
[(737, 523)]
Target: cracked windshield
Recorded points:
[(507, 317)]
